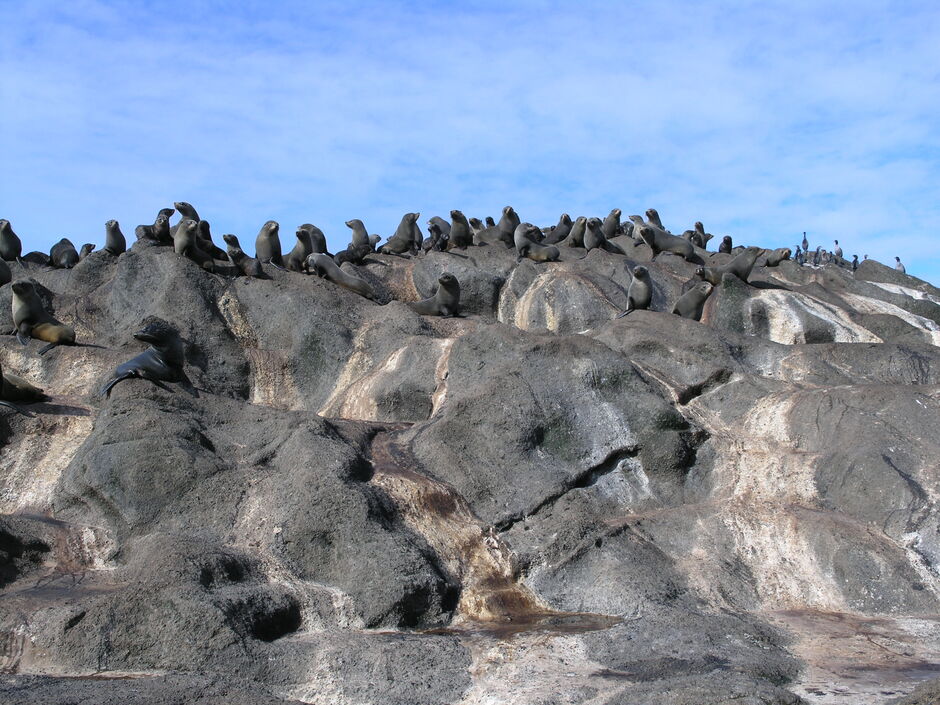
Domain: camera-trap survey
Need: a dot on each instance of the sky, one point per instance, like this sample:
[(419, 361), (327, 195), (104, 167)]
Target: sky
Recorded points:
[(761, 119)]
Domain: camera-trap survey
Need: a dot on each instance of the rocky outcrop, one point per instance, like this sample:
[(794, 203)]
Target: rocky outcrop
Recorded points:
[(533, 502)]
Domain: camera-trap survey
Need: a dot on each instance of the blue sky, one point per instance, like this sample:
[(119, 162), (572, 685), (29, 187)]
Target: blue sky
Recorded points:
[(760, 119)]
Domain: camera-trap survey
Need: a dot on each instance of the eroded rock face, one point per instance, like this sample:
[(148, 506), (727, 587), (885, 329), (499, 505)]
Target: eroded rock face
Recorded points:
[(534, 502)]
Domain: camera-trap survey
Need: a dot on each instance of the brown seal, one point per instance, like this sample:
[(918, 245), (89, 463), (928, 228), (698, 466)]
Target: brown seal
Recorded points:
[(526, 247), (691, 303), (323, 266), (31, 320), (249, 266), (14, 388), (640, 293), (186, 244), (445, 302)]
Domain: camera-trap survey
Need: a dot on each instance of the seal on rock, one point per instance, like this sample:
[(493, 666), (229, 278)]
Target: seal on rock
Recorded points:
[(161, 362), (445, 302), (640, 293), (318, 239), (660, 241), (6, 276), (611, 224), (559, 232), (740, 267), (63, 254), (652, 215), (576, 233), (31, 320), (526, 247), (594, 238), (323, 266), (86, 250), (360, 236), (268, 245), (114, 241), (691, 303), (205, 241), (354, 254), (249, 266), (296, 260), (508, 223), (460, 235), (402, 241), (159, 231), (436, 240), (10, 246), (442, 224), (186, 244), (14, 388), (777, 256), (725, 245)]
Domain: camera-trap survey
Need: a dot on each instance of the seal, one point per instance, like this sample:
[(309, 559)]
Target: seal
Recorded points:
[(318, 239), (640, 293), (14, 388), (652, 215), (186, 211), (445, 302), (31, 320), (86, 250), (323, 266), (594, 238), (159, 231), (559, 232), (777, 256), (691, 303), (296, 260), (492, 235), (442, 224), (6, 276), (63, 254), (360, 236), (460, 235), (660, 241), (114, 241), (476, 227), (740, 267), (354, 254), (11, 248), (249, 266), (611, 226), (508, 223), (402, 241), (268, 245), (490, 223), (205, 241), (186, 244), (416, 238), (161, 362), (436, 239), (725, 245), (526, 247), (576, 233)]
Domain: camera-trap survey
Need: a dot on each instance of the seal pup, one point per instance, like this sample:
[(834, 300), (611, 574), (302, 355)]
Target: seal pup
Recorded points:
[(6, 276), (160, 230), (640, 293), (460, 235), (691, 303), (296, 260), (63, 254), (594, 238), (660, 241), (740, 267), (354, 254), (611, 225), (777, 256), (161, 362), (559, 232), (114, 241), (86, 250), (11, 248), (725, 245), (186, 244), (576, 233), (526, 247), (14, 388), (899, 266), (323, 266), (360, 236), (268, 245), (248, 266), (31, 320), (445, 302), (436, 240)]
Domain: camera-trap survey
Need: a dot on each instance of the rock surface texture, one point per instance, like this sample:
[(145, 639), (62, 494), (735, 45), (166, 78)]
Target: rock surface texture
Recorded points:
[(532, 503)]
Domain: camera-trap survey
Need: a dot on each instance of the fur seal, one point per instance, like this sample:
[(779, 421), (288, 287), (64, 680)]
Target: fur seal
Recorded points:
[(10, 246), (490, 223), (725, 245), (460, 235), (159, 231), (114, 241), (445, 302), (186, 211), (186, 244), (611, 226), (14, 388), (318, 239), (296, 260), (740, 267), (354, 254), (31, 320), (323, 266), (777, 256), (660, 241), (360, 236), (508, 223), (576, 233), (476, 227), (652, 215), (205, 241), (559, 232), (86, 250), (161, 362), (268, 245), (594, 238), (63, 254), (442, 224), (402, 241), (691, 303), (435, 239), (6, 276), (526, 247), (249, 266), (640, 293)]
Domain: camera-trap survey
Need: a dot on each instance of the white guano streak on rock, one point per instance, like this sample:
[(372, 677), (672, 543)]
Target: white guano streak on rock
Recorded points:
[(353, 397), (907, 291), (866, 304), (786, 327), (440, 374)]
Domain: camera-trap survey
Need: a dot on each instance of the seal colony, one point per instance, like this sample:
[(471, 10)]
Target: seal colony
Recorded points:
[(190, 238)]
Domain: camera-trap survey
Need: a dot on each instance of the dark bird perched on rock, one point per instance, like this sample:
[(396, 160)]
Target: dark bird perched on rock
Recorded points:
[(837, 251), (13, 389), (159, 363), (249, 266), (805, 243), (31, 320), (817, 255)]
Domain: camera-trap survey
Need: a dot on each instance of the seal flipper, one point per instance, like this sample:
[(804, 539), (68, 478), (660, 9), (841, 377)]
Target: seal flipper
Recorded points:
[(22, 333), (46, 348), (106, 390), (624, 313), (15, 408)]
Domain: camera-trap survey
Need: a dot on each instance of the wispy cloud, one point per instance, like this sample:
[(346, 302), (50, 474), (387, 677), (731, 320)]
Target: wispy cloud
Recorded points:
[(762, 121)]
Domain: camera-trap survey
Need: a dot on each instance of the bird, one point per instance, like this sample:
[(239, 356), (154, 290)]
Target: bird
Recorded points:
[(838, 250), (899, 266)]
